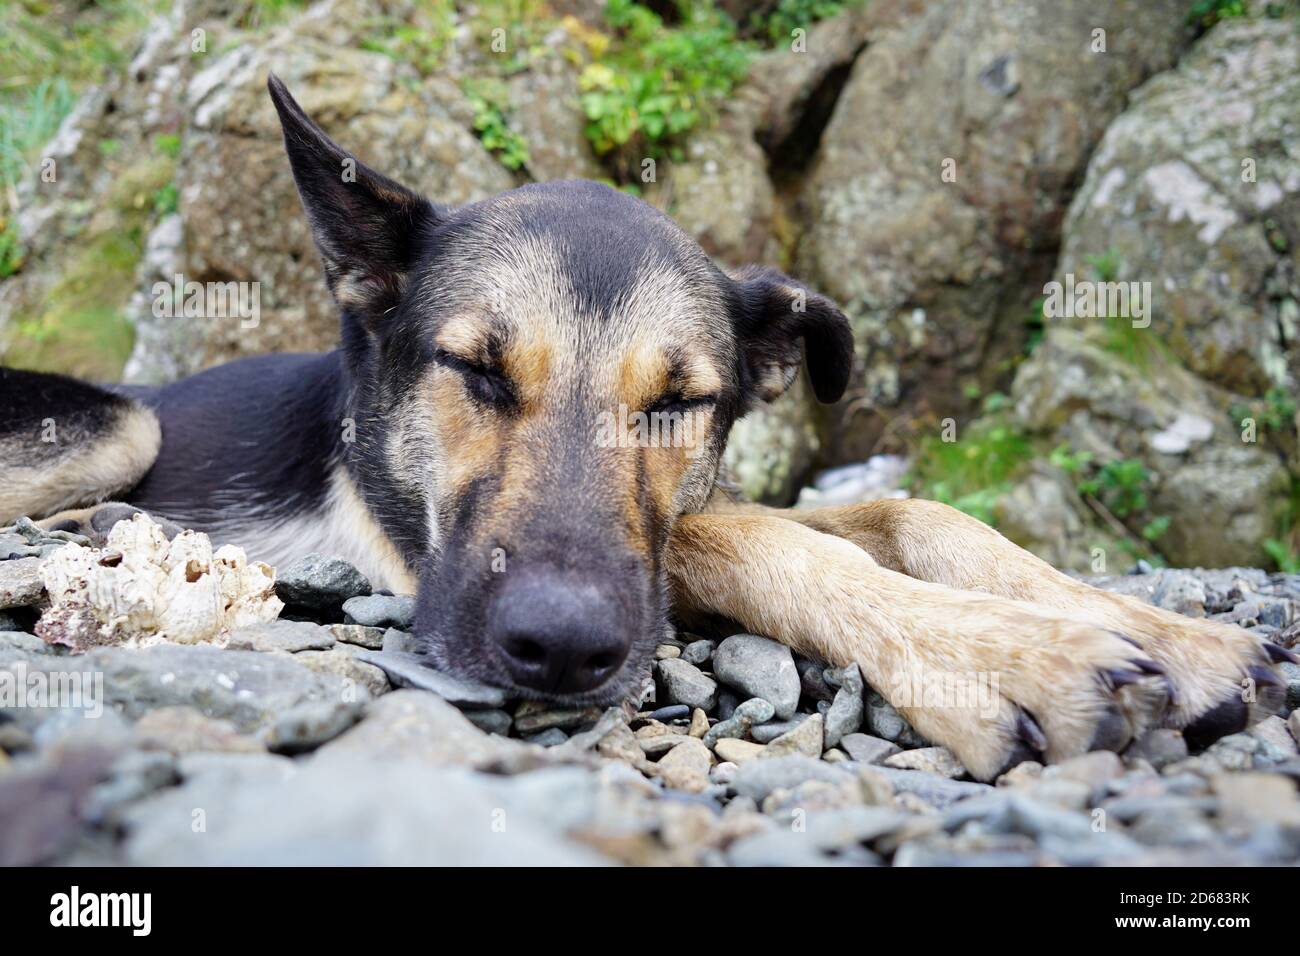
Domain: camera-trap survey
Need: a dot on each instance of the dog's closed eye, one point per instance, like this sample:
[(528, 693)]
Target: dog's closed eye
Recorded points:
[(674, 403), (485, 384)]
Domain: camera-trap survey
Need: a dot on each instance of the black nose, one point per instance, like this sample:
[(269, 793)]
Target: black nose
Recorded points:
[(556, 634)]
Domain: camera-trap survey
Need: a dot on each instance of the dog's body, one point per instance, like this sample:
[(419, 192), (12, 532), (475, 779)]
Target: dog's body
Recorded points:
[(449, 448)]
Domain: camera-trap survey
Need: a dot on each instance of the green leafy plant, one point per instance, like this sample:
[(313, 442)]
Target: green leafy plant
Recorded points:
[(1206, 13), (779, 25), (1120, 485), (1275, 412), (487, 97), (654, 83)]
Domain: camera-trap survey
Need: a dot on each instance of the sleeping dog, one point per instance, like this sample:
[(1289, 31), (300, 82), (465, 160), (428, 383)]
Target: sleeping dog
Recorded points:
[(452, 447)]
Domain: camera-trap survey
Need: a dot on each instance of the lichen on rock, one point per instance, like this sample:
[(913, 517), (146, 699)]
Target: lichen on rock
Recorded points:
[(142, 588)]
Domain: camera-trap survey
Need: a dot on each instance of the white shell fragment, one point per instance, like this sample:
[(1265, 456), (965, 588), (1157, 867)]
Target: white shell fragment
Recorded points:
[(141, 586)]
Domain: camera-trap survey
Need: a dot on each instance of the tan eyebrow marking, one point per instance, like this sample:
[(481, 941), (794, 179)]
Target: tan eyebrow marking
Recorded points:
[(465, 335), (699, 377)]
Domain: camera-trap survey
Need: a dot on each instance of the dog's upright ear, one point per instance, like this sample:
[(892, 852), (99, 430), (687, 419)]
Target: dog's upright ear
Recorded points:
[(776, 312), (368, 228)]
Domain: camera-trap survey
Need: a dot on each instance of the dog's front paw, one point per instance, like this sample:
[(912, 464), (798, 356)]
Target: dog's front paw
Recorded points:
[(1223, 676), (1043, 689)]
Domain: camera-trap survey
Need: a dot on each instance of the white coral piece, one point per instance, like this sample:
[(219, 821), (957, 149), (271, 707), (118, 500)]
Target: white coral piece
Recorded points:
[(140, 586)]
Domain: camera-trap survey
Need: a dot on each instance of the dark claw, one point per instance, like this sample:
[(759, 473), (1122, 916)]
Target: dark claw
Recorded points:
[(1127, 639), (1148, 667), (1120, 679), (1279, 654), (1030, 732)]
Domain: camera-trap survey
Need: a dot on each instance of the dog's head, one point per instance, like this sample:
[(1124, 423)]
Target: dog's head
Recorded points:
[(543, 381)]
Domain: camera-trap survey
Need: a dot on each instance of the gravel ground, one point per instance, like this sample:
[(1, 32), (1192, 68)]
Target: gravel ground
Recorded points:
[(321, 738)]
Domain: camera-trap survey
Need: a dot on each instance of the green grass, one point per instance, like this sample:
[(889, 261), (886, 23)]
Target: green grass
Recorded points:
[(974, 471)]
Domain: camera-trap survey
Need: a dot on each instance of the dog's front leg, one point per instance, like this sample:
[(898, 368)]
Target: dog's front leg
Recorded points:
[(994, 680)]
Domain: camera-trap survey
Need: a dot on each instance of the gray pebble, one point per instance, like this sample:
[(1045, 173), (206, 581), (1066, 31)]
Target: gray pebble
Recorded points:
[(550, 737), (698, 652), (753, 711), (677, 682), (320, 584), (410, 670), (492, 721), (845, 713), (290, 636), (381, 610), (766, 733), (759, 667), (309, 725), (867, 749)]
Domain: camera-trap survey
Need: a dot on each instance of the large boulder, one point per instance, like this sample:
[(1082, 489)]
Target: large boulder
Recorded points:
[(240, 209), (937, 272), (1220, 497), (1196, 188)]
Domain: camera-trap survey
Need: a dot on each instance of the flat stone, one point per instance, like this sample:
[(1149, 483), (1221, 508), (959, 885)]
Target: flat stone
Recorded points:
[(381, 610), (401, 641), (867, 749), (756, 779), (180, 730), (686, 766), (324, 813), (936, 760), (759, 667), (371, 638), (666, 652), (288, 636), (413, 725), (1093, 769), (20, 583), (247, 688), (939, 792), (410, 670), (360, 679), (492, 721), (806, 738), (308, 726), (678, 682), (534, 716), (737, 751)]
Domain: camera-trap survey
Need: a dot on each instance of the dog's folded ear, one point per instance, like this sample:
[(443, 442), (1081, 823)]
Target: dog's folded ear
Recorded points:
[(368, 227), (775, 313)]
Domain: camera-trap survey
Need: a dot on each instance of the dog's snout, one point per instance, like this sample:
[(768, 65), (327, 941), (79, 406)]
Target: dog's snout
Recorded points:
[(557, 635)]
